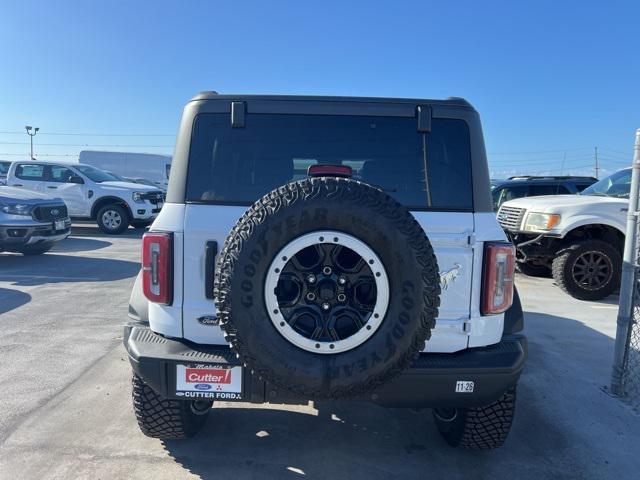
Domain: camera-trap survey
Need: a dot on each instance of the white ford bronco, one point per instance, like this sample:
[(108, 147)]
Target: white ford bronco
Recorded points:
[(327, 248), (90, 193), (579, 239)]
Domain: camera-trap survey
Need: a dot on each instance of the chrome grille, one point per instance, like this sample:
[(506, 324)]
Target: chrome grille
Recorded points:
[(155, 197), (510, 218)]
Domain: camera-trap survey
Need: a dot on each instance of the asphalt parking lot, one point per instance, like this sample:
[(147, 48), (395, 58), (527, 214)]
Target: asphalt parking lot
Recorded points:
[(66, 410)]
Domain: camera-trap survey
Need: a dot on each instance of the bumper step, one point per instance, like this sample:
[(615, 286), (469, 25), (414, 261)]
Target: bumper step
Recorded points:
[(433, 380)]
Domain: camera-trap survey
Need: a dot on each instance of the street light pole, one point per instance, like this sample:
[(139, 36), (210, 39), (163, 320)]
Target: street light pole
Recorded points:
[(29, 129)]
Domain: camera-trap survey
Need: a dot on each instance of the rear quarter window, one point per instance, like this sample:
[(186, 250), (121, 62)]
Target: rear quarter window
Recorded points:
[(238, 165), (30, 172)]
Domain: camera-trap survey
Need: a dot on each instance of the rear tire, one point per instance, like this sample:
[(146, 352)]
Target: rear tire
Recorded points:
[(479, 428), (166, 419), (113, 219), (574, 265), (35, 249)]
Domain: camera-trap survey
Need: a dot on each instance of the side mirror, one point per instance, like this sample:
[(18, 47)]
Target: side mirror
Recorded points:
[(75, 179)]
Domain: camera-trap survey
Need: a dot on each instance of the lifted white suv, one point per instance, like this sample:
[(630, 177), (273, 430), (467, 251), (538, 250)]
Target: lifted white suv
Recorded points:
[(90, 193), (578, 238), (327, 248)]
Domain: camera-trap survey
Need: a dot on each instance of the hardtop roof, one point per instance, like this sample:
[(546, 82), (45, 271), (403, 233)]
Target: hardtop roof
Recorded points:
[(450, 101)]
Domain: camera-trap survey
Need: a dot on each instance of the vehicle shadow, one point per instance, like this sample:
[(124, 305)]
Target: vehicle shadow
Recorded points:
[(568, 365), (11, 299), (77, 244), (87, 230), (43, 269)]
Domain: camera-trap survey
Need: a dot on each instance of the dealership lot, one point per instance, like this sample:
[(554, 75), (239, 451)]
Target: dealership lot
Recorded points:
[(66, 410)]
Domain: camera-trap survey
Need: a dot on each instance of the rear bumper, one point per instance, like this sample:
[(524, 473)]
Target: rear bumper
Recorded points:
[(429, 382)]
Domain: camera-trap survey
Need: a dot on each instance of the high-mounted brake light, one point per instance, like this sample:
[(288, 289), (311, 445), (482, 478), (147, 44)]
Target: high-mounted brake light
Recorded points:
[(329, 171), (497, 277), (157, 272)]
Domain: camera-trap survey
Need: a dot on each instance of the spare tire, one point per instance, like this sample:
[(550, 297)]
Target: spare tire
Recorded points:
[(327, 288)]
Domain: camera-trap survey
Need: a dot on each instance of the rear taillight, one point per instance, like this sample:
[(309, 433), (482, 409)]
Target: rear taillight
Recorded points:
[(157, 272), (497, 277)]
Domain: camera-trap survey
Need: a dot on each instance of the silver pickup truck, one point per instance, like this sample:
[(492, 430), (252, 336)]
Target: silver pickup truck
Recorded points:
[(30, 222)]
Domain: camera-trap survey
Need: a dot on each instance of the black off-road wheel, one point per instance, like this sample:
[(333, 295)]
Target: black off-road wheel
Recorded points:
[(159, 417), (327, 288), (588, 269), (113, 219), (480, 428)]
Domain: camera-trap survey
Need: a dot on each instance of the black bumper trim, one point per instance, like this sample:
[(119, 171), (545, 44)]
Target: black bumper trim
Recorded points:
[(429, 382)]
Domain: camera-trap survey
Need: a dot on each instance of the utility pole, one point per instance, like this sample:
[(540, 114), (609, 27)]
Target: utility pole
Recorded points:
[(28, 128), (596, 157)]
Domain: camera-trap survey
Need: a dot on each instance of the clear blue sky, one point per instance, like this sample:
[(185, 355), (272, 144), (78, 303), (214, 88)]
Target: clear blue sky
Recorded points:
[(551, 79)]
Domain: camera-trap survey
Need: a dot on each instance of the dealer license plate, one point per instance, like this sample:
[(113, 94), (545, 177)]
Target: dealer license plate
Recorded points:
[(218, 382), (59, 225)]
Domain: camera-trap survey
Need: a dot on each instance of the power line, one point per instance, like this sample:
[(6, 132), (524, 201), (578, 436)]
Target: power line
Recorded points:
[(559, 150), (629, 153), (89, 145), (41, 154), (96, 134)]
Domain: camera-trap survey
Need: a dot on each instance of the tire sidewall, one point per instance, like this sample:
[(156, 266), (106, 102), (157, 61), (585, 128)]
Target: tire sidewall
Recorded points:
[(124, 215), (563, 270), (330, 375)]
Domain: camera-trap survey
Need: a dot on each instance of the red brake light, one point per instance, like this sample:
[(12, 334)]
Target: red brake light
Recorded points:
[(157, 272), (329, 171), (497, 280)]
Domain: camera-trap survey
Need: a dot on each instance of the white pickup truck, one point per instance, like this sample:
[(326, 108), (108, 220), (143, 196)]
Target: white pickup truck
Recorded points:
[(578, 238), (90, 193)]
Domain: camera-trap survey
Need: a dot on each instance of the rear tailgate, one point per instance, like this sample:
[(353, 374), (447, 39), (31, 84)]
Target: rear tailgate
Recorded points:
[(449, 232)]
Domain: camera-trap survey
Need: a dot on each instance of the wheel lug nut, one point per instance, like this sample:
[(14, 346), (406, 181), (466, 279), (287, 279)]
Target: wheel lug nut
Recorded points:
[(326, 270), (311, 279), (311, 296), (326, 306), (342, 280), (342, 297)]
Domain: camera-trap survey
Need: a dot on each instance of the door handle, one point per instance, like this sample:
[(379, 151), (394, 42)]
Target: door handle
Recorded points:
[(51, 186), (17, 185)]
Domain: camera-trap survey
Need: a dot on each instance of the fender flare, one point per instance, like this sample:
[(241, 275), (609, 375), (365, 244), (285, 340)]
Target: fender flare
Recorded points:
[(583, 220), (111, 199), (138, 303)]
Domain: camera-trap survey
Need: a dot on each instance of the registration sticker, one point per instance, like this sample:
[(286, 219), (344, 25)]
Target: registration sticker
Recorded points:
[(465, 386), (220, 382)]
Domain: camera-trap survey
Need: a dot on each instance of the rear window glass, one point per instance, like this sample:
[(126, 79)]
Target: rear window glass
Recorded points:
[(30, 172), (238, 165), (537, 190)]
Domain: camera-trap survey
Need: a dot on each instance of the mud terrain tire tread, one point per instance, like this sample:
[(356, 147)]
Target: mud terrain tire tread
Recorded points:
[(562, 269), (346, 190), (481, 428), (159, 417)]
